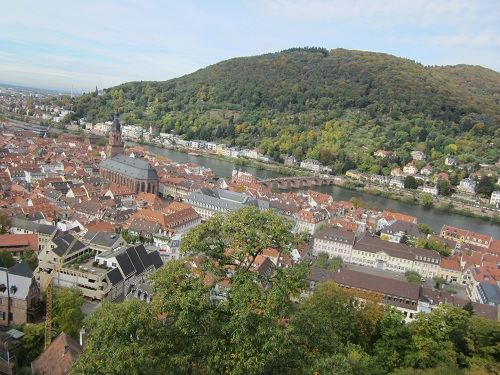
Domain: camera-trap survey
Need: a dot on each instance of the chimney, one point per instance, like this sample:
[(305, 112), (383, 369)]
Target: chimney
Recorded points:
[(83, 336), (66, 348)]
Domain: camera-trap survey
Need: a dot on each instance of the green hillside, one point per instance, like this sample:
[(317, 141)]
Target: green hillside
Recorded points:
[(336, 106)]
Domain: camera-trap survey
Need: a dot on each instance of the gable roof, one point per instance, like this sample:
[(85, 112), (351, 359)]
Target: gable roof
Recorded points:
[(63, 242), (58, 358), (135, 168), (16, 281)]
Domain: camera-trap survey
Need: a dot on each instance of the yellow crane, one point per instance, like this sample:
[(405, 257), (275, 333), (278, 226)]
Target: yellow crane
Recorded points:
[(48, 292)]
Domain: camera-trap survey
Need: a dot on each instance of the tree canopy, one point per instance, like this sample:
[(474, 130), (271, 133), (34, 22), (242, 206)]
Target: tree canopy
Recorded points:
[(220, 310)]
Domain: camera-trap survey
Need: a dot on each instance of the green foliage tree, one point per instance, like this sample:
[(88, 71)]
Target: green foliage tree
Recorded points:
[(336, 263), (444, 187), (102, 142), (469, 307), (67, 311), (233, 333), (127, 338), (439, 281), (323, 261), (435, 244), (394, 339), (6, 259), (426, 229), (410, 182), (5, 223), (33, 340), (427, 199), (31, 257), (326, 320), (129, 238), (438, 338), (413, 277), (485, 186)]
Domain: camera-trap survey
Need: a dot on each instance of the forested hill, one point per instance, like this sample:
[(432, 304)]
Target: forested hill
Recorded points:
[(311, 102)]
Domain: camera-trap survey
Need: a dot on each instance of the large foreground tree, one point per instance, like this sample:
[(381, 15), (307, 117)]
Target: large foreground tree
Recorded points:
[(223, 309)]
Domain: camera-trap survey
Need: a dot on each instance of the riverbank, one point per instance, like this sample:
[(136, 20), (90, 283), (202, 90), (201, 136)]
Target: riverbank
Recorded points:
[(441, 206), (270, 166)]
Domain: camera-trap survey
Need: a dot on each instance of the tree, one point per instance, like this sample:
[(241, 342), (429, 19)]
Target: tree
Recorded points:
[(444, 187), (102, 142), (67, 311), (394, 339), (33, 340), (435, 244), (6, 259), (126, 338), (438, 337), (413, 277), (323, 261), (226, 315), (427, 199), (5, 223), (410, 182), (469, 307), (405, 239), (485, 186), (335, 263), (31, 257), (326, 320), (439, 281), (426, 229)]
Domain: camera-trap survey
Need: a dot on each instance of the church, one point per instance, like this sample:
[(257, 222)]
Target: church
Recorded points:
[(136, 174)]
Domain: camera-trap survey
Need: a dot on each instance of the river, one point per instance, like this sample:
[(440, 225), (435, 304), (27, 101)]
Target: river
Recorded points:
[(433, 217)]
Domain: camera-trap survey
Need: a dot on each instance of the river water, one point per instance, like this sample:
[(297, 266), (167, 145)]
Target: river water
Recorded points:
[(433, 217)]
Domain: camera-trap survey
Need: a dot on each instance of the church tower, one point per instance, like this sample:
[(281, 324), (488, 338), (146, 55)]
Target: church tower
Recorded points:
[(115, 145)]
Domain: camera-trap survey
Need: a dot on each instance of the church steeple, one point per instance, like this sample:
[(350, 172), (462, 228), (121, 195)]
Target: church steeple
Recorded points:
[(115, 145), (116, 127)]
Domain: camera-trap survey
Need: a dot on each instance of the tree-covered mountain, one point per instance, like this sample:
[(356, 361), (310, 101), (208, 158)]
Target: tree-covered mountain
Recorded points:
[(336, 106)]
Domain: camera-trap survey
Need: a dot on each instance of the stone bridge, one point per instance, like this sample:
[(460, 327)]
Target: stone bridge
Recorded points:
[(282, 183)]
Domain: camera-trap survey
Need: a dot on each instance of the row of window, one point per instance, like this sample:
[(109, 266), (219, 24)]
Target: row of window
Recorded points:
[(427, 259)]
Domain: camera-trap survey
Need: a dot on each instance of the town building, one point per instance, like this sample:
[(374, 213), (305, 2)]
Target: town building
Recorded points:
[(309, 220), (464, 236), (136, 174), (399, 294), (384, 255), (19, 295), (495, 198), (467, 186), (207, 202), (99, 272), (336, 242)]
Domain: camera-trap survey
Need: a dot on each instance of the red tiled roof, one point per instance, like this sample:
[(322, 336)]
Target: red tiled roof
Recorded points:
[(58, 358)]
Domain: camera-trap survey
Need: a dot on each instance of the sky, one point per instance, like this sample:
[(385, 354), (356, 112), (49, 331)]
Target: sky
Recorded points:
[(82, 45)]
